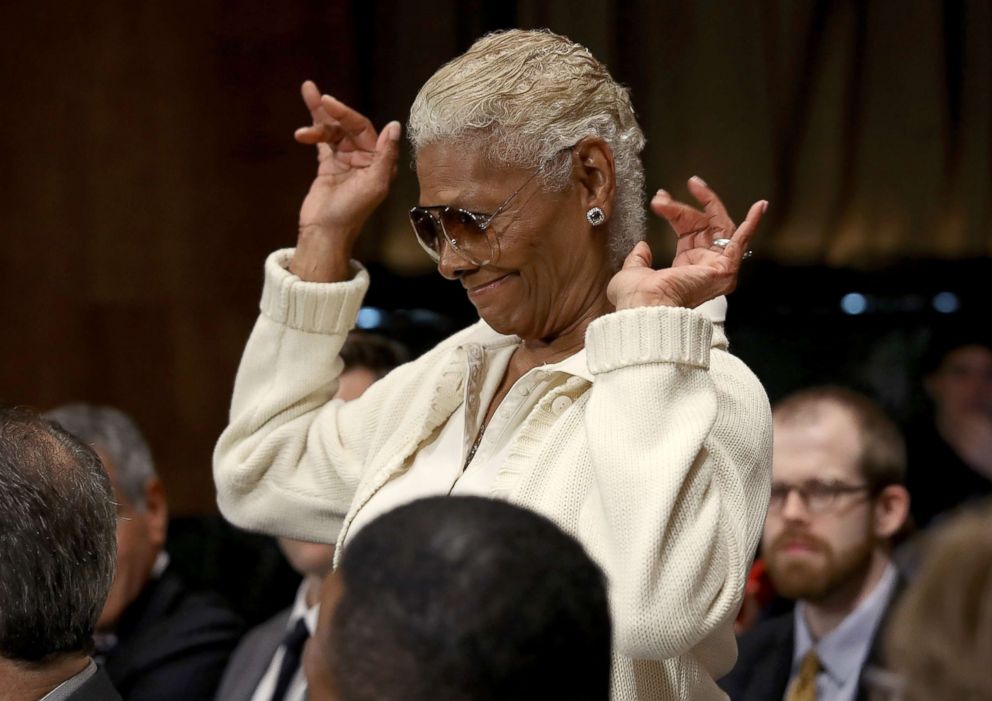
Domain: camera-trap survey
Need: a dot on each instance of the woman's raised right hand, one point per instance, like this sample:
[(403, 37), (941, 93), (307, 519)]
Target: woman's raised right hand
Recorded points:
[(355, 167)]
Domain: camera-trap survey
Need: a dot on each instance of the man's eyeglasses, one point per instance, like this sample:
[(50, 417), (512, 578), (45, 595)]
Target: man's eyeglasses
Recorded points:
[(817, 496), (466, 232)]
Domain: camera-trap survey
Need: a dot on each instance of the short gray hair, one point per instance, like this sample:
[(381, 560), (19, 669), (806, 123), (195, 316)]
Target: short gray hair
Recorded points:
[(59, 539), (115, 434), (527, 95)]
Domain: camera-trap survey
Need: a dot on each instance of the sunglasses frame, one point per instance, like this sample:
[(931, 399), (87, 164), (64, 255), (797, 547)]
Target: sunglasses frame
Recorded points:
[(482, 221)]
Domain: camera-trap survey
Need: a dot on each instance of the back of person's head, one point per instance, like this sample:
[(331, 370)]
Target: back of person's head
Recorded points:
[(940, 637), (117, 438), (883, 451), (458, 598), (57, 540), (367, 357), (373, 352), (142, 502)]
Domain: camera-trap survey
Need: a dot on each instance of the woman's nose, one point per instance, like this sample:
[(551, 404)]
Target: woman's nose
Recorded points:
[(451, 263)]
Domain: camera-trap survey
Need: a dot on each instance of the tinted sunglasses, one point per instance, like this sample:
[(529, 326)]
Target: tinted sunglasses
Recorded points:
[(464, 231)]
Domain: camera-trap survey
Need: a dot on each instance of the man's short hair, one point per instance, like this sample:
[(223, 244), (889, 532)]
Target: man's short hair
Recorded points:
[(58, 539), (373, 352), (948, 338), (467, 598), (883, 451), (113, 433)]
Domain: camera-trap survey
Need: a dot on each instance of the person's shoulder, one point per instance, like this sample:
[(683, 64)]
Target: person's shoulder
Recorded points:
[(178, 618), (180, 647), (764, 655), (265, 636), (97, 688), (771, 632), (252, 657), (192, 610)]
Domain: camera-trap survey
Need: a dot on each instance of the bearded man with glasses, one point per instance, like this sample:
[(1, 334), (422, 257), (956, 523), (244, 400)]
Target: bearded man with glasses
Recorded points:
[(595, 389), (837, 500)]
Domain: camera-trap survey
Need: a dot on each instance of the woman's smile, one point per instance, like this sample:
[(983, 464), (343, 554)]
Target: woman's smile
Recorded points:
[(486, 288)]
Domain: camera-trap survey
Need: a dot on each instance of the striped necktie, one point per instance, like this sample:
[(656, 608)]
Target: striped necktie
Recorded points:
[(803, 686)]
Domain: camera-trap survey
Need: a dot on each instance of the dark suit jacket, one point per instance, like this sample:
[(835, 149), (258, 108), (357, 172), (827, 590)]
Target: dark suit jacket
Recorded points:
[(764, 660), (96, 688), (251, 658), (172, 644)]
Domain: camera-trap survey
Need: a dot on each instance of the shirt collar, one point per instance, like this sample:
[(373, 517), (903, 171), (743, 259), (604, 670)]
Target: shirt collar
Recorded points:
[(161, 562), (574, 364), (843, 650), (64, 690), (301, 610)]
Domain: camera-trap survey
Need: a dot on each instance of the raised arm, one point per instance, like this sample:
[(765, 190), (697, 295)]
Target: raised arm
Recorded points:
[(290, 459), (680, 433), (702, 269), (355, 167)]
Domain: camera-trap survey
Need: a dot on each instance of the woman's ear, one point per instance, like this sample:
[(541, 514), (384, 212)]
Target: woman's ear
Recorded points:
[(891, 510), (593, 169)]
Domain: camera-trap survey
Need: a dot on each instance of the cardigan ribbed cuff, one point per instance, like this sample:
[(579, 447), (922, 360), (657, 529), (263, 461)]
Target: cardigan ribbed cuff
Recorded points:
[(648, 335), (314, 307)]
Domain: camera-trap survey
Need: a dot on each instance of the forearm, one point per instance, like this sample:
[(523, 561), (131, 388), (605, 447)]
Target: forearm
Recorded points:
[(284, 464), (322, 256), (675, 476)]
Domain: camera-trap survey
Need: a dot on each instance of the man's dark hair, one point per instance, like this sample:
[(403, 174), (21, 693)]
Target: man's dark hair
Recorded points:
[(58, 539), (464, 598), (948, 338), (376, 353)]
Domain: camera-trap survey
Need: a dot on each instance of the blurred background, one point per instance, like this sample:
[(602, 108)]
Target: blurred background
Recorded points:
[(149, 167)]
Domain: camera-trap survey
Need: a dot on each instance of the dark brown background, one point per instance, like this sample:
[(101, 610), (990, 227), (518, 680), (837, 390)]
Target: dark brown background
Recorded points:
[(148, 164)]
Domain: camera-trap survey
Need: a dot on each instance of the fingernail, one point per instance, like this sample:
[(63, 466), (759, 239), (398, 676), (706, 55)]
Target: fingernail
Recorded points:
[(699, 180), (764, 206), (662, 194), (394, 130)]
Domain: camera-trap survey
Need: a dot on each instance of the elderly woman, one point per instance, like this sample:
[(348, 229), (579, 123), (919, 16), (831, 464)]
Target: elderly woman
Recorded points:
[(595, 390)]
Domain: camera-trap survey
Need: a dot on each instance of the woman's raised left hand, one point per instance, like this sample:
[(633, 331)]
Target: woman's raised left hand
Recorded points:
[(700, 270)]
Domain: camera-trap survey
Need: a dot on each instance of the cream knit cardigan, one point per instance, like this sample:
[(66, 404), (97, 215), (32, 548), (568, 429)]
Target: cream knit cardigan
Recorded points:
[(660, 467)]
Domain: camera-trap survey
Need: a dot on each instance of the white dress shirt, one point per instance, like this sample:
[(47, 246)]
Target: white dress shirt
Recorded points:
[(297, 690), (447, 465), (70, 685), (844, 650)]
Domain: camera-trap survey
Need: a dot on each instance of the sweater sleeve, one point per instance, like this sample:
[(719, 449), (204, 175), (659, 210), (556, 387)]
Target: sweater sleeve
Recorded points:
[(680, 439), (289, 461)]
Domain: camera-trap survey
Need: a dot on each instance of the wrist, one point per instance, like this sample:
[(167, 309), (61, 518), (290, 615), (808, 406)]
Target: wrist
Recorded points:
[(327, 236), (637, 300), (321, 255)]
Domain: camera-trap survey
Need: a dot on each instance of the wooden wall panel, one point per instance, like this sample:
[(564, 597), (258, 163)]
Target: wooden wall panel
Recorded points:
[(148, 164)]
